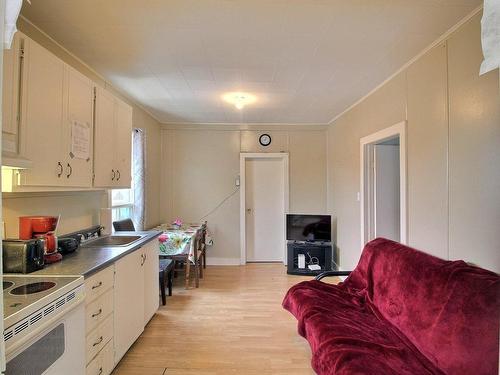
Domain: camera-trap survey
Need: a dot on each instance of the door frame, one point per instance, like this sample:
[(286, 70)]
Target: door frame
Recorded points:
[(366, 173), (243, 158)]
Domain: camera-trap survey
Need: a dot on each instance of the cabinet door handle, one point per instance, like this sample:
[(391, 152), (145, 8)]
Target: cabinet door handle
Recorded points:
[(119, 175), (143, 259), (97, 313), (98, 341), (100, 371), (97, 285), (113, 175), (61, 169), (70, 170)]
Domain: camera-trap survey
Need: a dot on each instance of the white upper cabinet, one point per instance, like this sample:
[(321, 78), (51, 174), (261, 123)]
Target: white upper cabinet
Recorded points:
[(56, 121), (104, 144), (113, 141), (78, 129), (77, 136), (42, 116), (10, 97), (123, 143)]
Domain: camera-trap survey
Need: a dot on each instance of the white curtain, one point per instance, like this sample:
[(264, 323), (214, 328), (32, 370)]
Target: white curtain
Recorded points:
[(138, 178), (490, 35), (12, 9)]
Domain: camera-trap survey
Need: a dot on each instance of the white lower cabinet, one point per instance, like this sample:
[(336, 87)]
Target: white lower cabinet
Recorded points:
[(99, 283), (151, 284), (129, 301), (96, 312), (99, 337), (103, 363), (99, 327), (120, 301)]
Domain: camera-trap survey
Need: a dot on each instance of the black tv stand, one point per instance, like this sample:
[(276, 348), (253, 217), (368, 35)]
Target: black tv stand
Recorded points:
[(320, 252)]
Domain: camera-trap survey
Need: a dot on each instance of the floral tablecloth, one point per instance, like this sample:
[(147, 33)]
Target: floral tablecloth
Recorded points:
[(178, 241)]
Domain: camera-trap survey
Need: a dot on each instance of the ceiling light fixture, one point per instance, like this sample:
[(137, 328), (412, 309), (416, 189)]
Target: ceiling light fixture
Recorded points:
[(239, 99)]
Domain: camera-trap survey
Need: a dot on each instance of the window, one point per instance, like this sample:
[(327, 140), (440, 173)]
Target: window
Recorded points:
[(122, 203)]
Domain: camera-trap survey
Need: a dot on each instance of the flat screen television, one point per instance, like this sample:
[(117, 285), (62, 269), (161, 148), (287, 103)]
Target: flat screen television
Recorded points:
[(308, 227)]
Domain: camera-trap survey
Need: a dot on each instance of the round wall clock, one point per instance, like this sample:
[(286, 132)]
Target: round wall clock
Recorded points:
[(265, 140)]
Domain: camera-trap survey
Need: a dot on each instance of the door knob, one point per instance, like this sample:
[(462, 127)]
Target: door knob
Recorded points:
[(249, 210)]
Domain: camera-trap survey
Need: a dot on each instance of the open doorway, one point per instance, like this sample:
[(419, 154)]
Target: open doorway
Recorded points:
[(383, 185)]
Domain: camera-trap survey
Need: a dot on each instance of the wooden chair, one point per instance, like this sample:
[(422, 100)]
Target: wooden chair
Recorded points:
[(126, 225), (184, 264), (198, 269), (203, 248)]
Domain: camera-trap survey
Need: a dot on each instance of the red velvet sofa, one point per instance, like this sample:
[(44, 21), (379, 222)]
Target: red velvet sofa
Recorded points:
[(401, 311)]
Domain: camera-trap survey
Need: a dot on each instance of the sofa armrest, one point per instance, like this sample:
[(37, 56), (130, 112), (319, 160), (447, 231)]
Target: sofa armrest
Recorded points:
[(332, 273)]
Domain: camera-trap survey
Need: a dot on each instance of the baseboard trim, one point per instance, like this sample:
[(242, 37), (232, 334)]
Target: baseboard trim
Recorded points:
[(215, 261)]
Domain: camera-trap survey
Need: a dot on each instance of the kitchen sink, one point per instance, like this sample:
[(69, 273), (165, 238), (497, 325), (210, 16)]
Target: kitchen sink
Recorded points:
[(112, 241)]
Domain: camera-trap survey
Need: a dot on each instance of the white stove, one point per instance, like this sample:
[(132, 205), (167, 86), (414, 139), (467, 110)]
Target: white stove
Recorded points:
[(44, 324)]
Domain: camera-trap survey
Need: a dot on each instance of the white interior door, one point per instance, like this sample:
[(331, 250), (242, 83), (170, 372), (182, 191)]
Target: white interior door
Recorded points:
[(265, 209), (386, 192)]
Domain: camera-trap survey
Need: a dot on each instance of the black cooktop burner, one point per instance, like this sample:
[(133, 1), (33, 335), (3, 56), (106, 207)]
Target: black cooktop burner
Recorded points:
[(7, 284), (32, 288)]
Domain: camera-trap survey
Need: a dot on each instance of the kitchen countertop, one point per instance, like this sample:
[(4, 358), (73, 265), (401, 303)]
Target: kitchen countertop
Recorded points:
[(89, 260)]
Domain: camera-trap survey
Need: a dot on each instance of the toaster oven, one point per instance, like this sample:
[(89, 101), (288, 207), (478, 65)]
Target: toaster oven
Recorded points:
[(22, 256)]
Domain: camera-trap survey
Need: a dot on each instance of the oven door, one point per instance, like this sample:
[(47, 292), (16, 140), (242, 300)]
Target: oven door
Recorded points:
[(56, 349)]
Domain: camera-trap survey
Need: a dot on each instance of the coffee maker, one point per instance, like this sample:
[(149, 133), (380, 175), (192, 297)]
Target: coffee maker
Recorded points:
[(42, 227)]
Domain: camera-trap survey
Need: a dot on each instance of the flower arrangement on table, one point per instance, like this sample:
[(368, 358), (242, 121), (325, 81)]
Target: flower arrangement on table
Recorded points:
[(177, 223)]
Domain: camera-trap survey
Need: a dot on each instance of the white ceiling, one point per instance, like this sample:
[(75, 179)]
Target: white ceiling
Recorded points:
[(305, 60)]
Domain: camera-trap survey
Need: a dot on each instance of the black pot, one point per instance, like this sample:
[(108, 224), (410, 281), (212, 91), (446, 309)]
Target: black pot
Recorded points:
[(67, 245)]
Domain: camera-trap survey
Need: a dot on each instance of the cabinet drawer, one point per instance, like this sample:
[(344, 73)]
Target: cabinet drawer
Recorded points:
[(98, 284), (99, 337), (103, 363), (97, 311)]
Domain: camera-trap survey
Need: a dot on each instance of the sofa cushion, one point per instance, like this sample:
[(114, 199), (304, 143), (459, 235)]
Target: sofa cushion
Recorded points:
[(449, 310), (346, 337)]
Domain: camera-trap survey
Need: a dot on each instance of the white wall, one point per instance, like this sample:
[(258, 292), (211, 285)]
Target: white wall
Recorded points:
[(200, 166), (453, 139), (78, 210), (474, 152)]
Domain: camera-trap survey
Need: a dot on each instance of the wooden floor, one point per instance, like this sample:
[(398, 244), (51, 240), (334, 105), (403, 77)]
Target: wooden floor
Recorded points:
[(233, 324)]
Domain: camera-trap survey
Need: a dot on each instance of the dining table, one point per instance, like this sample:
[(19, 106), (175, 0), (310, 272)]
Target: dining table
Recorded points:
[(179, 243)]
